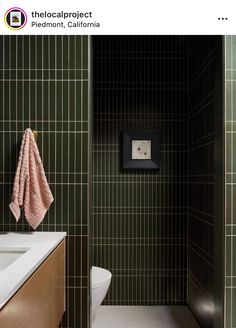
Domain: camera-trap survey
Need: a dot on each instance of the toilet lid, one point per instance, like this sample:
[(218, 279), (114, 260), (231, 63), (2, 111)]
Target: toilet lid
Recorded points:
[(99, 276)]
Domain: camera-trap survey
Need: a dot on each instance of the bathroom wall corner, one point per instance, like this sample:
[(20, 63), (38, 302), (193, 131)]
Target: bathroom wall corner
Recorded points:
[(219, 183)]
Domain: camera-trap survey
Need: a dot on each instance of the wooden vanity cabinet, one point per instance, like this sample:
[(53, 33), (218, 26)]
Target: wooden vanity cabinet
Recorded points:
[(40, 302)]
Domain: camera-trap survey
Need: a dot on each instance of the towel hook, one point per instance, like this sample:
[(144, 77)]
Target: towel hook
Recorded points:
[(35, 133)]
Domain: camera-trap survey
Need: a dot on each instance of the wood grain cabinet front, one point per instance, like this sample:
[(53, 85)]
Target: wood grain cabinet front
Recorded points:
[(40, 302)]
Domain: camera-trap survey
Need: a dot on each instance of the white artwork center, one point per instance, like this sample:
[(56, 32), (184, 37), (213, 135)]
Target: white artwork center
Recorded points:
[(141, 149)]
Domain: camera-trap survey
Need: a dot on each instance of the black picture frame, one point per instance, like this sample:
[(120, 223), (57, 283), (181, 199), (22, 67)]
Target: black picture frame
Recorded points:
[(128, 162)]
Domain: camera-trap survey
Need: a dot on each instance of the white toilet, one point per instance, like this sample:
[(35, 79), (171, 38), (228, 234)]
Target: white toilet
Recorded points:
[(100, 282)]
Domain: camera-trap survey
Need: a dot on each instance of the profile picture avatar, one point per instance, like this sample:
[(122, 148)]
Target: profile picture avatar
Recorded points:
[(15, 18)]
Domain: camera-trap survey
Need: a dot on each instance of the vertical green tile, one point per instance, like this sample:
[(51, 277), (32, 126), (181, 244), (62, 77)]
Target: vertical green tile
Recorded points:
[(49, 107), (230, 63)]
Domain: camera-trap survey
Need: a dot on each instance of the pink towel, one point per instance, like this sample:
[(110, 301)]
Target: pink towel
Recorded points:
[(31, 191)]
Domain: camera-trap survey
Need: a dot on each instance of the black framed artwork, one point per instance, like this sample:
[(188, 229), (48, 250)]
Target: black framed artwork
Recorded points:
[(140, 150)]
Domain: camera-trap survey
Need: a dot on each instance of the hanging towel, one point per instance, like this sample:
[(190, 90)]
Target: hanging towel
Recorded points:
[(31, 191)]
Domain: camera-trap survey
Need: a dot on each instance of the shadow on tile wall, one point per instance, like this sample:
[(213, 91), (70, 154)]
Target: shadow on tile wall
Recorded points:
[(155, 230), (201, 134), (139, 217)]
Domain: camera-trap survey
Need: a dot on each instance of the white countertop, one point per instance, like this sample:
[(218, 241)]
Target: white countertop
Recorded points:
[(40, 245)]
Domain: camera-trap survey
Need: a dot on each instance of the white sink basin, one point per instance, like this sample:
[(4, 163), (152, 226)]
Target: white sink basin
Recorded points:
[(21, 253), (9, 254)]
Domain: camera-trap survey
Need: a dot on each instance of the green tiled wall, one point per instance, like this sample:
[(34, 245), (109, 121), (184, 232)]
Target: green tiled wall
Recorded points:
[(44, 86), (201, 173), (230, 168), (139, 217)]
